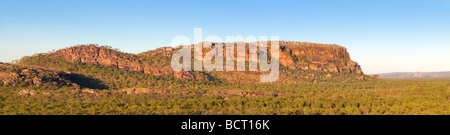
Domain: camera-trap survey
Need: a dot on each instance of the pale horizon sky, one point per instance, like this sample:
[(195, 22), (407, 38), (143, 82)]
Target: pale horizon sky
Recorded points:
[(381, 35)]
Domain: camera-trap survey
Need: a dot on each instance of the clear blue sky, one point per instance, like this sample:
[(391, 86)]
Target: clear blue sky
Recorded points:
[(382, 35)]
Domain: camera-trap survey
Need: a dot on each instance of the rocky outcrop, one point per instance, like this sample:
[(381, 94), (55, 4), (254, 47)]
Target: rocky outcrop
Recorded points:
[(317, 57), (7, 77), (106, 56), (296, 55), (15, 75), (28, 92)]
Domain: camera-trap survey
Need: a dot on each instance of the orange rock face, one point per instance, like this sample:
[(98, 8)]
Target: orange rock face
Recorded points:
[(108, 57), (312, 56), (318, 57), (293, 55)]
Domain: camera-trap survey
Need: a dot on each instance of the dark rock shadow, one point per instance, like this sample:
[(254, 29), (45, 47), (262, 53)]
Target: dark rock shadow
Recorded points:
[(87, 82)]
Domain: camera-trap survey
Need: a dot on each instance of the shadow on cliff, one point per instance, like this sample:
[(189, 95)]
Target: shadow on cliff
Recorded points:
[(87, 82), (212, 78)]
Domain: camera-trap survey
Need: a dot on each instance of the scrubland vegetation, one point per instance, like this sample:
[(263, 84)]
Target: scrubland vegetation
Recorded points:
[(382, 97)]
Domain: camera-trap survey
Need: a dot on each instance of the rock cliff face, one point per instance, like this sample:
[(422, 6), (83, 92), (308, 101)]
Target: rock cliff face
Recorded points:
[(294, 56), (109, 57), (319, 61), (317, 57), (298, 55)]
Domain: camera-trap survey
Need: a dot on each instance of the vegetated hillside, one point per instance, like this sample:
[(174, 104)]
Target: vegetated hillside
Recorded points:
[(106, 77), (106, 56), (111, 69), (408, 75)]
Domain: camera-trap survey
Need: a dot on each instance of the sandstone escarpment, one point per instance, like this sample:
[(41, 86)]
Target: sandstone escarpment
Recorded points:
[(106, 56), (321, 61), (294, 55), (317, 57), (299, 62)]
